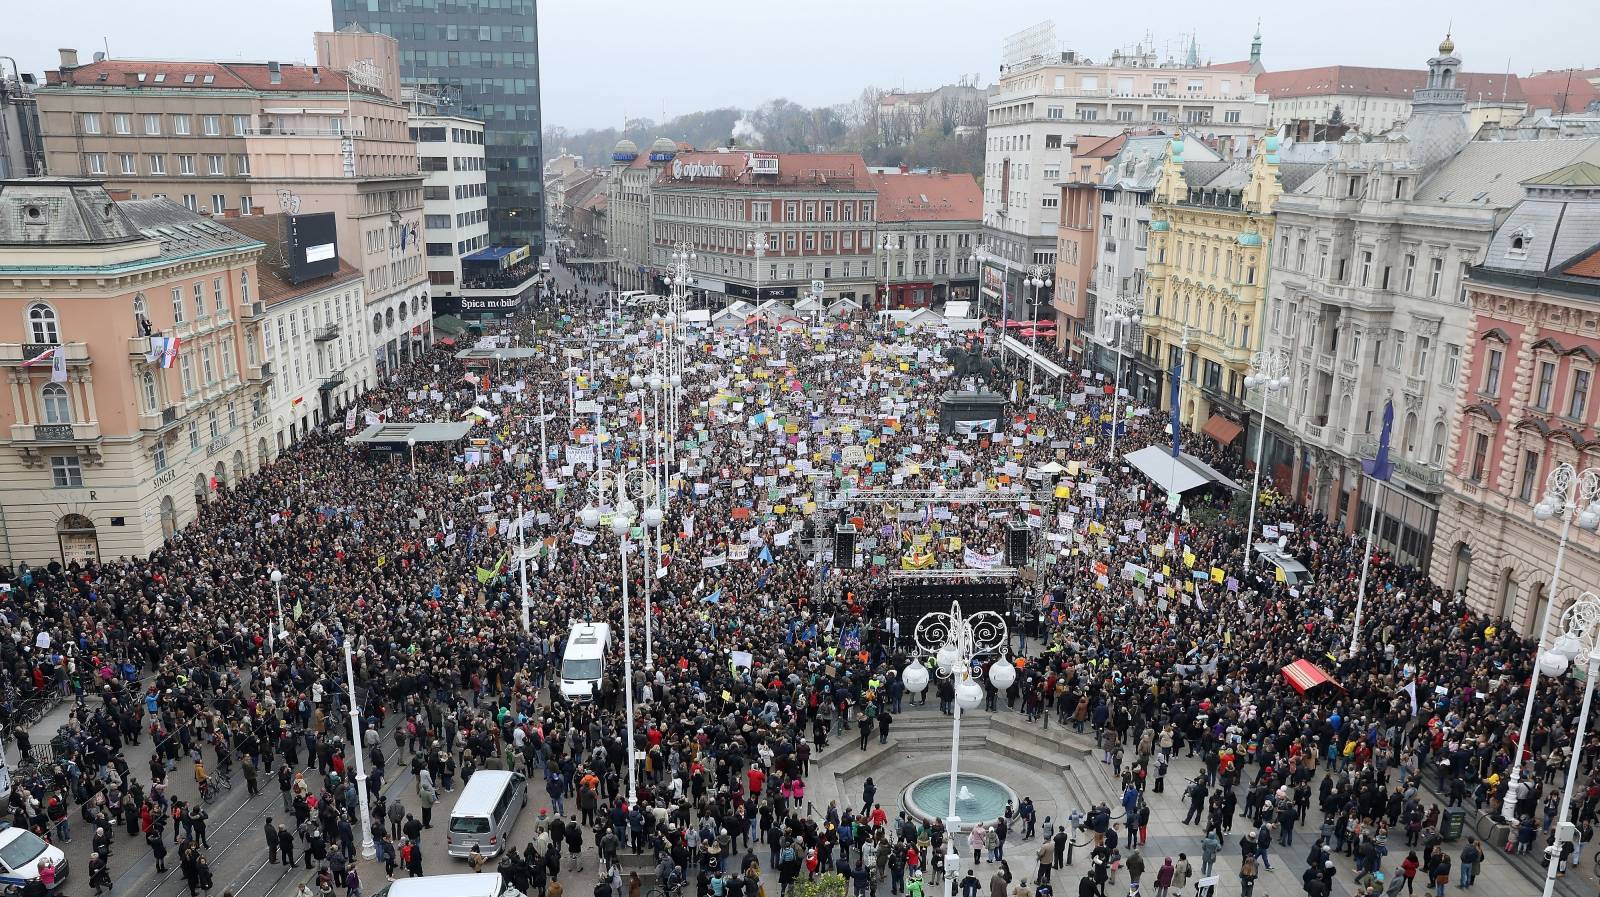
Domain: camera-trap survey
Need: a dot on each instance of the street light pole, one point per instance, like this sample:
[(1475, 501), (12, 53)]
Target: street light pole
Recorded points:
[(277, 600), (954, 640), (1038, 277), (1124, 312), (1564, 488), (368, 849), (1579, 625), (1271, 373)]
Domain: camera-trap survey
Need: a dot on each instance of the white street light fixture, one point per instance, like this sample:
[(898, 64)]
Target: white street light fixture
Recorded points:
[(1580, 624), (955, 640), (1271, 374)]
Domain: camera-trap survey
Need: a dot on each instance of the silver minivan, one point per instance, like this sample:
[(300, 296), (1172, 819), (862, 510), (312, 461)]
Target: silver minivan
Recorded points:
[(486, 812), (488, 884)]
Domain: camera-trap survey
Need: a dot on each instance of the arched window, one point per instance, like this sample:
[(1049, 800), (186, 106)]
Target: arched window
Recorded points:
[(377, 322), (57, 410), (148, 381), (1211, 316), (1438, 443), (416, 305), (403, 310), (388, 317), (1410, 439), (42, 324)]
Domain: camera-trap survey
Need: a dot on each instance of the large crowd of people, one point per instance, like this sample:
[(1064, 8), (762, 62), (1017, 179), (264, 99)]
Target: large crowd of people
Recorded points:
[(226, 647)]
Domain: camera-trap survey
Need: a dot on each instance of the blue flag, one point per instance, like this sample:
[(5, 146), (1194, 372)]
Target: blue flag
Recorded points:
[(1380, 468), (713, 598), (1177, 383), (766, 555)]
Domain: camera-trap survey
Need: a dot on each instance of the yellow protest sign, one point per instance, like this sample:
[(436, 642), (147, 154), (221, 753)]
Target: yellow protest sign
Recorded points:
[(1063, 491), (1165, 570), (781, 509), (811, 507), (1216, 574), (1277, 573), (1188, 558)]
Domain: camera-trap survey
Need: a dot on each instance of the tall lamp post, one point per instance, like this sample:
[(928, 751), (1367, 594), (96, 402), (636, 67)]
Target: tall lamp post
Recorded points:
[(1564, 488), (368, 849), (757, 244), (277, 601), (954, 640), (1123, 312), (1270, 369), (1579, 624), (622, 525), (887, 246), (1038, 277)]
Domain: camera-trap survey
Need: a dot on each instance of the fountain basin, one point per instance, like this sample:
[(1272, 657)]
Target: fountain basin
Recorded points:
[(979, 798)]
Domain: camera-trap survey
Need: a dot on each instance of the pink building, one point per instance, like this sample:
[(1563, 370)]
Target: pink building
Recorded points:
[(1526, 402)]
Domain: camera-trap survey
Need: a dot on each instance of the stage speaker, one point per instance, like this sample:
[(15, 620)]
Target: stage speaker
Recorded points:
[(844, 547), (1017, 536)]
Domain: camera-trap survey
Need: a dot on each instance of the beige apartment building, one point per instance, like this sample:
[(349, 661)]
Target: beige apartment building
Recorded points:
[(104, 449), (230, 139)]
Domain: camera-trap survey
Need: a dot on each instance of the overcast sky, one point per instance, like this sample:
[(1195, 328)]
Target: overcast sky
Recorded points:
[(626, 57)]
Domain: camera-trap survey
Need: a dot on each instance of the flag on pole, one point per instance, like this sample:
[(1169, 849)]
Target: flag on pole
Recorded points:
[(1380, 468), (298, 610), (1411, 692), (58, 368)]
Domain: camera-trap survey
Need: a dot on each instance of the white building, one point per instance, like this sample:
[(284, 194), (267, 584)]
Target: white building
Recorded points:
[(311, 346), (629, 191), (1045, 102), (455, 192)]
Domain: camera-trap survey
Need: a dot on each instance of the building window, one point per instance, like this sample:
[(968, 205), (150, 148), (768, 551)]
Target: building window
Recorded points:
[(1053, 141), (1435, 276), (1366, 267), (1408, 273), (211, 125), (1579, 400), (158, 454), (65, 471), (148, 381), (1452, 365), (1420, 356), (200, 310), (90, 122), (194, 434), (129, 164), (152, 125), (213, 424), (1480, 456), (180, 125), (241, 124), (1530, 475), (1230, 116), (207, 367), (215, 165), (219, 204), (177, 305), (191, 202), (1491, 374), (42, 324), (1547, 383), (246, 205), (95, 162), (186, 369), (158, 163), (244, 287), (53, 398), (122, 123)]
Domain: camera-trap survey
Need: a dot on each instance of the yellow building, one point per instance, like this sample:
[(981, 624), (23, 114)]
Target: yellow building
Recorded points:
[(1210, 226)]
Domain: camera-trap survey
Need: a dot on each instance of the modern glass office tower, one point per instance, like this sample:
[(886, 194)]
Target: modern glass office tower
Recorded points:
[(487, 53)]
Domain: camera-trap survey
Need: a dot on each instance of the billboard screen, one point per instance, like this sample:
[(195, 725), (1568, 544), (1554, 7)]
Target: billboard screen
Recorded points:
[(313, 246)]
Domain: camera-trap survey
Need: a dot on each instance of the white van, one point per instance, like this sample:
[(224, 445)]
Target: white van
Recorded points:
[(484, 884), (583, 663), (486, 812)]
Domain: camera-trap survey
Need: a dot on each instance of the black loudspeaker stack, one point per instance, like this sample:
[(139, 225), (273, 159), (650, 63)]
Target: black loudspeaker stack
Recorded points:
[(844, 547), (1017, 535)]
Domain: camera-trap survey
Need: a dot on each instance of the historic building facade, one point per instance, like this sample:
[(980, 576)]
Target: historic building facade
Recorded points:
[(1526, 403)]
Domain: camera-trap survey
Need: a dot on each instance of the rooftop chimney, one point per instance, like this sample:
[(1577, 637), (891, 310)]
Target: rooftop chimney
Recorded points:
[(275, 72), (316, 75), (69, 58)]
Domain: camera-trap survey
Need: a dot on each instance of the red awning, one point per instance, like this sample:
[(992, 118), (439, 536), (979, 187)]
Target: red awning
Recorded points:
[(446, 340), (1221, 429), (1306, 676)]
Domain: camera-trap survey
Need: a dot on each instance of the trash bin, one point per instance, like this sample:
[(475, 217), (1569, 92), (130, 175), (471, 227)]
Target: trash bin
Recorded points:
[(1455, 819)]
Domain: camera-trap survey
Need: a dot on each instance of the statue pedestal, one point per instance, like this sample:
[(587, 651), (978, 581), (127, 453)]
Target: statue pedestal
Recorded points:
[(970, 406)]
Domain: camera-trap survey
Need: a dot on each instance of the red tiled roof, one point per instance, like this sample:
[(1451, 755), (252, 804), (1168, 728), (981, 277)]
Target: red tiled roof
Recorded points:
[(928, 197), (1330, 80), (1559, 91), (1588, 266), (224, 75), (1099, 147), (1241, 66)]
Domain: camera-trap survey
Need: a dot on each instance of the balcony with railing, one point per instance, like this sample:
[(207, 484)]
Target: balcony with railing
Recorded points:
[(1419, 473), (326, 332), (18, 354), (258, 373), (72, 433)]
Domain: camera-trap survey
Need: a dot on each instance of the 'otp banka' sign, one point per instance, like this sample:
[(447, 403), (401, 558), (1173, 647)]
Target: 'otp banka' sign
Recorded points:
[(692, 170)]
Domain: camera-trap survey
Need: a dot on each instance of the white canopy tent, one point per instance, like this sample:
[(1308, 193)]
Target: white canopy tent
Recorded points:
[(1180, 474), (1013, 344)]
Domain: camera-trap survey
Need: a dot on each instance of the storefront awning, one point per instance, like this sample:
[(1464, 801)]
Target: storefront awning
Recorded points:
[(1221, 429)]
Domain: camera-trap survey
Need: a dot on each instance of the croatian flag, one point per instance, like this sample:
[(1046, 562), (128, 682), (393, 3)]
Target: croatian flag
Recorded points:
[(1177, 383)]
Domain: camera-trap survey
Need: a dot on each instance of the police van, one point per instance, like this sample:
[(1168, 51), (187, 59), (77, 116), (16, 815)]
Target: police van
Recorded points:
[(22, 853), (583, 663)]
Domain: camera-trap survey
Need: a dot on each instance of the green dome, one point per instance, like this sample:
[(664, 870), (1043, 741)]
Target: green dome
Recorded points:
[(1160, 224)]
